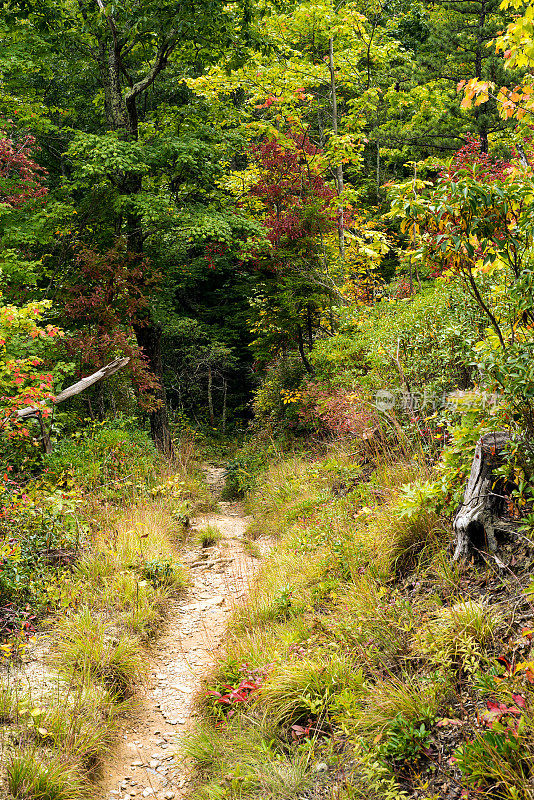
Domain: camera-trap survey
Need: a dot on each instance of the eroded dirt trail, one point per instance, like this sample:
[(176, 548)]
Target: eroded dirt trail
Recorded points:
[(143, 763)]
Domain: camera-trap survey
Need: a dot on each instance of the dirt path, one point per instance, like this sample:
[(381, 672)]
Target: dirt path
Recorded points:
[(143, 764)]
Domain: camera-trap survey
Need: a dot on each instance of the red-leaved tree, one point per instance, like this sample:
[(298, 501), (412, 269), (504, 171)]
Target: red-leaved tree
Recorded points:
[(296, 197), (298, 214), (21, 178), (110, 298)]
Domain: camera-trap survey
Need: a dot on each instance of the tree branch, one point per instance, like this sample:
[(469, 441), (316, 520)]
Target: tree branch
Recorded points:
[(80, 386), (160, 63)]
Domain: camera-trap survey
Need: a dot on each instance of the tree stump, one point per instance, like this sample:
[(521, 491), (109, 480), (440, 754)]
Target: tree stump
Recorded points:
[(475, 521)]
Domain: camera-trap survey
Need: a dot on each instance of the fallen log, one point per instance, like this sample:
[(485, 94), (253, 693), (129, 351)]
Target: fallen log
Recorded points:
[(476, 519), (79, 386), (70, 391)]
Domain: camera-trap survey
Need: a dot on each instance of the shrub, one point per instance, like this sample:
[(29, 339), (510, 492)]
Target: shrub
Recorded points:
[(270, 411), (431, 335), (404, 740), (244, 470), (336, 412), (161, 572), (105, 452), (415, 699), (38, 536)]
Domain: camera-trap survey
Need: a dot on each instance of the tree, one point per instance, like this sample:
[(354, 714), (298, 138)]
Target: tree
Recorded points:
[(298, 216), (475, 227), (121, 55)]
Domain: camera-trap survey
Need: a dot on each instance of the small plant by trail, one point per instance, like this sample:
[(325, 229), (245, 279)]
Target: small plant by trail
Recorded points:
[(403, 741), (207, 536), (222, 701)]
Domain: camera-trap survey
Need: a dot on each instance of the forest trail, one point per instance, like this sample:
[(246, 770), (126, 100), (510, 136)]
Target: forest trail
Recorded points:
[(143, 763)]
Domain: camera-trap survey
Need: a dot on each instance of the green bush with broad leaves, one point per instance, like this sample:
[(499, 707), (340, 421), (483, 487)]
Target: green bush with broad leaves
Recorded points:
[(425, 342), (102, 455), (38, 536)]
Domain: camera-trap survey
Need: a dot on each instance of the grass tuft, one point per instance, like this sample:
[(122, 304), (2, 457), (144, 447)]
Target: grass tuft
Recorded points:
[(297, 689), (207, 536), (86, 650), (454, 635), (41, 776)]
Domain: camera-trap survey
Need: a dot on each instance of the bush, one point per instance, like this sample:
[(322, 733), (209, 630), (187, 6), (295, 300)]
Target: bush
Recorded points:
[(243, 471), (431, 336), (101, 454), (270, 411), (335, 412), (37, 536)]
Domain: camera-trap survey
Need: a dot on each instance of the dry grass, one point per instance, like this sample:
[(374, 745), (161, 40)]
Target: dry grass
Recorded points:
[(114, 598), (88, 650), (38, 775)]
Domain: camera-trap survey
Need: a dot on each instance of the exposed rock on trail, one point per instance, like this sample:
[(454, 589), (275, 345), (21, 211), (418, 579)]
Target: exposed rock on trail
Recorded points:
[(143, 765)]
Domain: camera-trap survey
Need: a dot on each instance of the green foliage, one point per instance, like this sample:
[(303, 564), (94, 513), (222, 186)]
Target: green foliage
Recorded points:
[(34, 532), (404, 740), (244, 470), (113, 454), (162, 573), (24, 381), (468, 419), (285, 375), (429, 337), (416, 497), (456, 635), (373, 780)]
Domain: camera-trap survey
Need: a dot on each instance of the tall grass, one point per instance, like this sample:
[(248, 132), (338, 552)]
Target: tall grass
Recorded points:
[(328, 627), (111, 601)]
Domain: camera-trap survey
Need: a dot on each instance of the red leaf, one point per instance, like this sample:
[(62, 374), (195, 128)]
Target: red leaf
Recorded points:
[(519, 700)]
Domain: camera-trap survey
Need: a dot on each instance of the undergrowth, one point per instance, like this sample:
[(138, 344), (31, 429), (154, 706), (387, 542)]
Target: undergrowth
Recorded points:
[(100, 602), (364, 664)]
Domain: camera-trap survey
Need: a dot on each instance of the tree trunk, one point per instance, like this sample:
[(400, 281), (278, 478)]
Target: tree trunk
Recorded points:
[(149, 340), (339, 167), (122, 116), (307, 366), (225, 389), (210, 398), (475, 521)]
